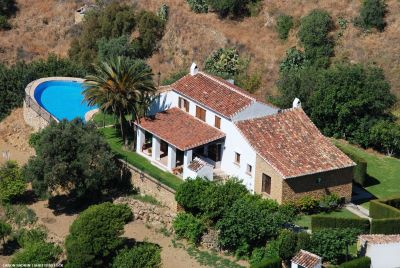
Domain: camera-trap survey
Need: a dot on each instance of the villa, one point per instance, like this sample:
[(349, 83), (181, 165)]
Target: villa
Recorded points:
[(206, 126)]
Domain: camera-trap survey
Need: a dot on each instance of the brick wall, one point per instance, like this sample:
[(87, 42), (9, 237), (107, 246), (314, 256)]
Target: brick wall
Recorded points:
[(150, 186), (336, 181)]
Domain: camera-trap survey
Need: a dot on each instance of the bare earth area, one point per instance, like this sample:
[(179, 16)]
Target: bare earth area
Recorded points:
[(14, 137)]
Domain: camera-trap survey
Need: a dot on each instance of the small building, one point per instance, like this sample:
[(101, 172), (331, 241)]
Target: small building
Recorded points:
[(384, 250), (204, 126), (305, 259)]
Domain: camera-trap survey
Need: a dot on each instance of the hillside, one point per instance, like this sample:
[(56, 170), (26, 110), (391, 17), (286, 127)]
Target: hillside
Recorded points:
[(43, 27)]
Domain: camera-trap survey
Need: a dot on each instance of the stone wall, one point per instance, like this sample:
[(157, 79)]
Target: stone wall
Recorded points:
[(157, 216), (150, 186), (33, 119), (276, 180)]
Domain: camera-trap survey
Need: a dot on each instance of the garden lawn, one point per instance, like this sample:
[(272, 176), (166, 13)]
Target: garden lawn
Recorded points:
[(305, 220), (101, 119), (138, 161), (386, 170)]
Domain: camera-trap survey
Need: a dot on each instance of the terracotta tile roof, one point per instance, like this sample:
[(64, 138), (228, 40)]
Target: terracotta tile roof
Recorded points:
[(306, 259), (180, 129), (214, 93), (380, 239), (197, 164), (292, 144)]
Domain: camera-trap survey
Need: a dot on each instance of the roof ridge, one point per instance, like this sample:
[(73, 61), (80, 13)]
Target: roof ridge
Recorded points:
[(227, 86), (310, 253)]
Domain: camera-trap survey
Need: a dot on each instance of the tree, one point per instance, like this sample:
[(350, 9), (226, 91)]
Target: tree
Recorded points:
[(313, 34), (372, 15), (37, 253), (249, 222), (331, 244), (234, 8), (348, 99), (287, 244), (144, 255), (95, 235), (75, 157), (114, 47), (118, 88), (12, 183), (283, 25), (385, 136), (5, 230), (223, 62), (191, 194)]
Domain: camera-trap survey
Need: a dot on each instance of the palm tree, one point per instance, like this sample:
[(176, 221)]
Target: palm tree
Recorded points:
[(118, 87)]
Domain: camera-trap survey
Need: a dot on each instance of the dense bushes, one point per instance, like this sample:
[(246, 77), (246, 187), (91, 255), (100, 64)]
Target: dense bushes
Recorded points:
[(73, 156), (37, 253), (361, 262), (382, 208), (190, 195), (321, 222), (189, 227), (234, 8), (311, 205), (142, 255), (223, 62), (268, 263), (359, 171), (372, 14), (385, 226), (5, 230), (14, 79), (12, 184), (95, 235), (198, 6), (283, 25), (7, 9)]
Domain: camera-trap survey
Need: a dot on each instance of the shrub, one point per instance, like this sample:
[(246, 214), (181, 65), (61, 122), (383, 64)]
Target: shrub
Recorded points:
[(95, 235), (319, 222), (303, 241), (223, 62), (378, 209), (37, 253), (283, 25), (294, 60), (190, 195), (163, 12), (307, 204), (5, 230), (359, 171), (249, 82), (189, 227), (4, 24), (385, 137), (173, 77), (372, 14), (249, 222), (269, 263), (361, 262), (198, 6), (145, 255), (385, 226), (287, 244), (26, 237), (313, 34), (8, 7), (114, 47), (234, 8), (65, 154), (12, 184), (20, 215), (330, 202), (331, 243)]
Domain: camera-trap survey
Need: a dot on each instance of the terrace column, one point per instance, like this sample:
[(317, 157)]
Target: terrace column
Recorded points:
[(171, 157), (140, 139), (187, 157), (155, 150)]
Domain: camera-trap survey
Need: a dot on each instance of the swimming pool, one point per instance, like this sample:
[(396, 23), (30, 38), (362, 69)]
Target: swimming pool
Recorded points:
[(62, 99)]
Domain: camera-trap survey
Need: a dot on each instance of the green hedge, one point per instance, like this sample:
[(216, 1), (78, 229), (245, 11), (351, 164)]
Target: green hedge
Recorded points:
[(362, 262), (269, 263), (360, 171), (379, 209), (319, 222), (385, 226)]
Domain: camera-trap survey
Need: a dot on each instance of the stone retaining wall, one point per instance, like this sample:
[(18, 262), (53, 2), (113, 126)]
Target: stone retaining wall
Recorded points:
[(33, 119), (149, 186)]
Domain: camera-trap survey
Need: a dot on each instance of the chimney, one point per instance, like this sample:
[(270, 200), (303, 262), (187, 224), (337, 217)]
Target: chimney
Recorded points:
[(296, 103), (194, 69)]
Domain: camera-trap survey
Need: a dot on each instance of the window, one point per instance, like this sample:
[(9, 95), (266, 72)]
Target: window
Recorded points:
[(237, 158), (266, 184), (318, 180), (200, 113), (249, 169), (217, 122), (183, 104)]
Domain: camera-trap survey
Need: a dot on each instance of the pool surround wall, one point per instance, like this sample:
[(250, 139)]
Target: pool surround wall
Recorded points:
[(32, 118)]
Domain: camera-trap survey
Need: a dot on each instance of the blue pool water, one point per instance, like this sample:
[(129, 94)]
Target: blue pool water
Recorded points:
[(63, 99)]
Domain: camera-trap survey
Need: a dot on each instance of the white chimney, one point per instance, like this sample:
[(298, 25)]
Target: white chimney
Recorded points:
[(296, 103), (194, 69)]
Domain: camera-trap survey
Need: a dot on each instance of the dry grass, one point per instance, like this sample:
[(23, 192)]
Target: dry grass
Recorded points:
[(191, 37)]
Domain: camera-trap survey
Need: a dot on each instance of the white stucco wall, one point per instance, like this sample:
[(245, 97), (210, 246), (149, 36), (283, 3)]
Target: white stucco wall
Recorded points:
[(384, 255), (205, 172)]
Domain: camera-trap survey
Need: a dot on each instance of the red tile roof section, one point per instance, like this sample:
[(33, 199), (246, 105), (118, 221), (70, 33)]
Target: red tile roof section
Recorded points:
[(180, 129), (214, 93), (306, 259), (292, 144), (380, 238)]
